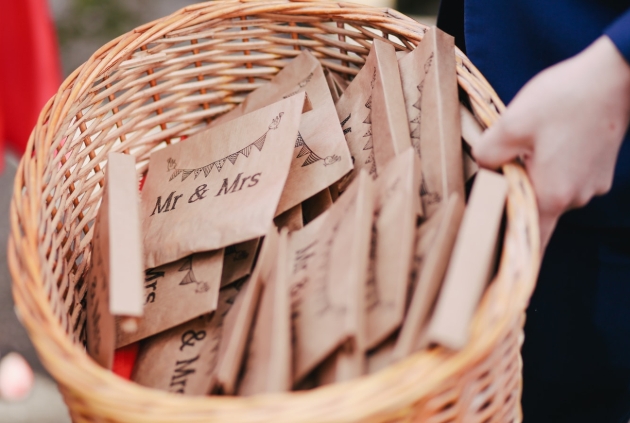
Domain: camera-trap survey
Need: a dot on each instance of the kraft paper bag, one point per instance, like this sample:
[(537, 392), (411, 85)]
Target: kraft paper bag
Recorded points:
[(114, 279), (429, 81), (321, 156), (469, 270), (441, 231), (183, 359), (238, 322), (329, 260), (316, 205), (291, 219), (267, 364), (335, 92), (238, 261), (392, 246), (372, 113), (219, 187), (176, 293)]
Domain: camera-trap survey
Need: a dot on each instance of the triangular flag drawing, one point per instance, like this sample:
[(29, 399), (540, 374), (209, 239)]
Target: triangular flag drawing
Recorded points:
[(175, 173), (245, 152), (186, 173), (260, 142), (369, 144), (312, 158), (304, 151), (186, 265), (219, 164), (232, 157), (207, 169), (299, 140), (197, 172)]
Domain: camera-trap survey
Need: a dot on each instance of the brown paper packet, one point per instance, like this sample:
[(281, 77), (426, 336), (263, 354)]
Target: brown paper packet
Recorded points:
[(114, 280), (183, 359), (335, 92), (339, 81), (321, 156), (176, 293), (329, 260), (238, 261), (267, 363), (219, 187), (429, 81), (470, 268), (372, 113), (392, 246), (441, 232), (290, 219), (316, 205), (239, 321)]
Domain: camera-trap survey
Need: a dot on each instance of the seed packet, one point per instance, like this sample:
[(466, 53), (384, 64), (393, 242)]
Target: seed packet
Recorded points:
[(469, 270), (438, 238), (238, 261), (316, 205), (372, 113), (392, 246), (267, 364), (321, 156), (114, 279), (238, 322), (176, 293), (329, 260), (183, 359), (219, 187), (429, 81)]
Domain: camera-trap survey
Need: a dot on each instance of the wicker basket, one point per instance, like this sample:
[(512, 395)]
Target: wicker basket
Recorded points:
[(167, 79)]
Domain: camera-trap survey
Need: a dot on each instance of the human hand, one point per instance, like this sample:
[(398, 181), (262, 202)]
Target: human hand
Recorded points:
[(567, 124)]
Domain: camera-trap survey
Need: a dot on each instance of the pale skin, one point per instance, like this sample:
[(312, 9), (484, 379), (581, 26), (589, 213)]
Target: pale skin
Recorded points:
[(567, 124)]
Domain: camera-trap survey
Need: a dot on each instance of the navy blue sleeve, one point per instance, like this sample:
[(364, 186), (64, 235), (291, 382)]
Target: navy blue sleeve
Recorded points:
[(619, 33)]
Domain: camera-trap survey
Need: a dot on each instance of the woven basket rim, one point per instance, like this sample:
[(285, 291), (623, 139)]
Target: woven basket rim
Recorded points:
[(27, 265)]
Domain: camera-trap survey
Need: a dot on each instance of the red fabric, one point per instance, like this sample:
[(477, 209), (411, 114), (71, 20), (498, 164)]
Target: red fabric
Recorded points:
[(125, 359), (30, 72)]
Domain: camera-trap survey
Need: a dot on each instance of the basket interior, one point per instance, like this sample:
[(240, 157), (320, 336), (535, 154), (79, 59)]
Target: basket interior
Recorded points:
[(163, 90), (167, 80)]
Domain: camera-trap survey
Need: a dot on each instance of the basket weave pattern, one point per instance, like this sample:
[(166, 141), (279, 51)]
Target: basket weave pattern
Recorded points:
[(168, 79)]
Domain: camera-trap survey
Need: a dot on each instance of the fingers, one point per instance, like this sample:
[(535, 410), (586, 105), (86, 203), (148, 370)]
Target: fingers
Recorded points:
[(500, 144), (16, 377)]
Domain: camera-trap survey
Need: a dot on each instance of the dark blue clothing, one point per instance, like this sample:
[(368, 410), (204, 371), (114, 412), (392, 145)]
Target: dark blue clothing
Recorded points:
[(577, 336)]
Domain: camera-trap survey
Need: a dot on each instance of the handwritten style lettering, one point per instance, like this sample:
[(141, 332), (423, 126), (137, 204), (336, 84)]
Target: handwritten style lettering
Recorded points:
[(190, 336), (183, 368), (228, 188), (199, 194), (167, 203), (150, 282)]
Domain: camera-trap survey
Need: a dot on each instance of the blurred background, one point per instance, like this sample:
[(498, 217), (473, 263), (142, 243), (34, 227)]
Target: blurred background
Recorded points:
[(42, 42)]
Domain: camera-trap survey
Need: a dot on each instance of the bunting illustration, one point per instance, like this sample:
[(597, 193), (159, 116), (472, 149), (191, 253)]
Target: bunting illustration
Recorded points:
[(190, 276), (218, 164), (301, 85), (311, 157), (369, 145), (415, 132)]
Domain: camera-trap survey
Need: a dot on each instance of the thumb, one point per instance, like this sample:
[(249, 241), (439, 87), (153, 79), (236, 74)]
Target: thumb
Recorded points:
[(498, 145)]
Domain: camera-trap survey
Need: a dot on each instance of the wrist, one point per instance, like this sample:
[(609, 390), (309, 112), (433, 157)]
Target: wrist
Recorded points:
[(608, 66)]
